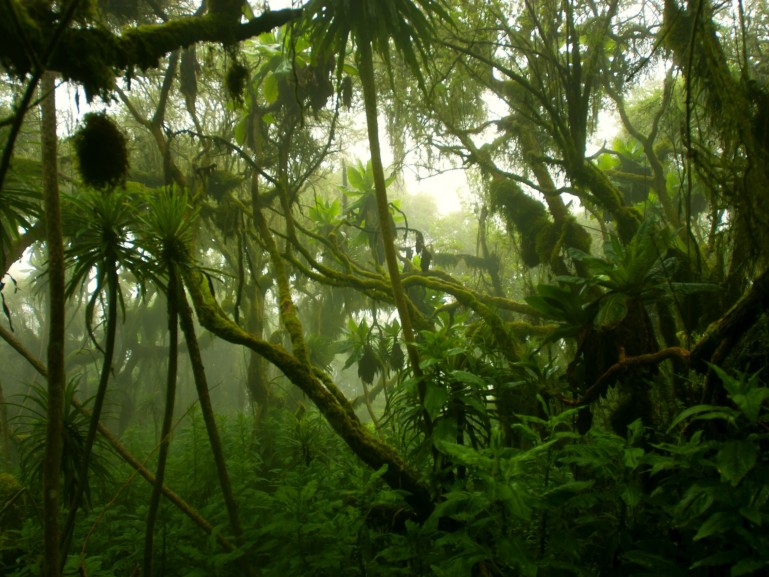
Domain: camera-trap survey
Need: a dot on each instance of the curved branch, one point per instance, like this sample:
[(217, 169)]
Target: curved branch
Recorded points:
[(316, 385), (624, 363), (139, 47)]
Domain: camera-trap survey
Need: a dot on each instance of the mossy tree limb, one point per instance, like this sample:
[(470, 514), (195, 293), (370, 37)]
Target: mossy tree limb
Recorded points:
[(723, 335), (90, 56), (337, 412)]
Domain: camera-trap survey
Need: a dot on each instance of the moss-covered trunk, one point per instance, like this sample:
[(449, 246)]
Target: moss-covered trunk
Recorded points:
[(56, 370)]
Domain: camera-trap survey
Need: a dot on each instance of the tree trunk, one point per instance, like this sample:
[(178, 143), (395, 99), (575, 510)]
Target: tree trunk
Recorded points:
[(5, 451), (322, 392), (101, 393), (366, 69), (56, 371), (201, 384), (131, 460), (168, 416)]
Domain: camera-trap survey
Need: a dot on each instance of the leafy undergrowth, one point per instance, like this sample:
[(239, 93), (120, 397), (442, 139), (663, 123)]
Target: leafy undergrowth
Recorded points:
[(689, 500)]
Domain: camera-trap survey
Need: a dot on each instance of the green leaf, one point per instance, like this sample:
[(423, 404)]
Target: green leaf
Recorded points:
[(544, 306), (703, 412), (633, 456), (735, 460), (309, 490), (631, 494), (435, 399), (357, 179), (514, 553), (612, 311), (514, 498), (745, 566), (752, 514), (692, 288), (445, 429), (468, 378), (659, 564), (462, 454), (559, 495), (745, 392), (240, 131), (717, 523), (716, 559), (270, 88)]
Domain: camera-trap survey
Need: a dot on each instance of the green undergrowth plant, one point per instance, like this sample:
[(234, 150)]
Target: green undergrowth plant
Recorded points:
[(710, 482), (690, 499), (30, 430)]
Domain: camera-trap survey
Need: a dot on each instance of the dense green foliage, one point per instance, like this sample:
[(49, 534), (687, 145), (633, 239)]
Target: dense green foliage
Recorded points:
[(284, 357)]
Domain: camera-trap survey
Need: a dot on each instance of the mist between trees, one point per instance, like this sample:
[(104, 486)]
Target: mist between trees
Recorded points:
[(238, 342)]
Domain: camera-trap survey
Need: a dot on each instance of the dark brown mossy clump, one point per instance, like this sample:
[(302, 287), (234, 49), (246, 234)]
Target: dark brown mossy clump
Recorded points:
[(101, 152), (235, 81)]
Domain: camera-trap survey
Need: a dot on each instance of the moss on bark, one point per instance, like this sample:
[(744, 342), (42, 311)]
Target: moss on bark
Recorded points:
[(334, 406), (93, 56)]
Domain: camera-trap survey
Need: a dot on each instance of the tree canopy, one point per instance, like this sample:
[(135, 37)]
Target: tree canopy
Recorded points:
[(563, 377)]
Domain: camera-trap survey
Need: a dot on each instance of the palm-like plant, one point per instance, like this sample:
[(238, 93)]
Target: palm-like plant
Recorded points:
[(97, 227), (168, 235), (31, 424), (376, 26), (19, 208)]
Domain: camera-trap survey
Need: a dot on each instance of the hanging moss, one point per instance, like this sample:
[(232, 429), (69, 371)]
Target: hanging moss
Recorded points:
[(188, 76), (368, 365), (220, 183), (101, 152), (759, 98), (347, 92), (524, 214), (86, 58), (576, 236), (14, 39), (235, 81)]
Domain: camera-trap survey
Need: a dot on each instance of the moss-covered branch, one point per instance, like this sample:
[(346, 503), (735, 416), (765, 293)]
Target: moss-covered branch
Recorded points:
[(339, 414), (92, 55)]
